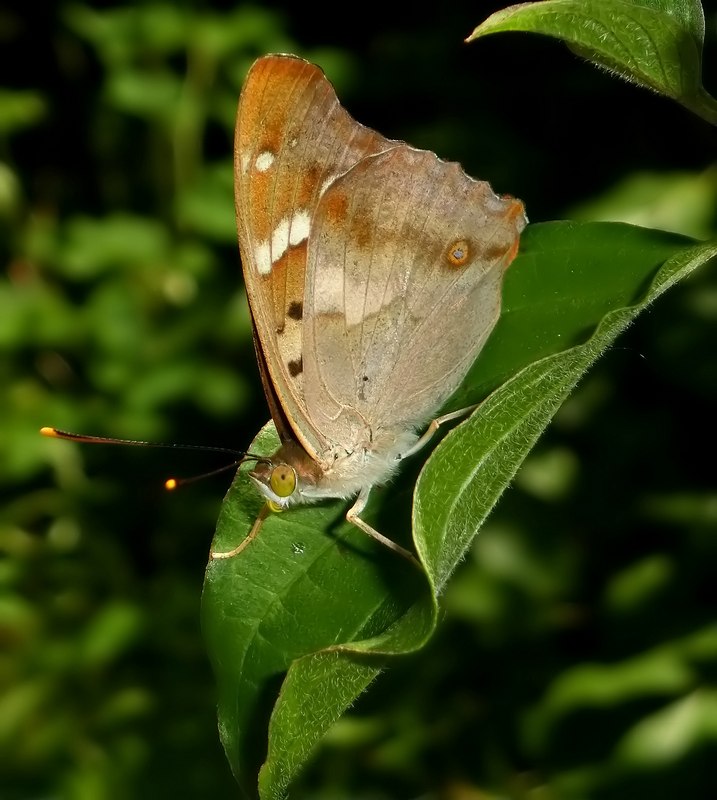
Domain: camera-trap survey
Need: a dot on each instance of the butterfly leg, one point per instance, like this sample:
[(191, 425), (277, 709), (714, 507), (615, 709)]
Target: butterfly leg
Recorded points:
[(255, 528), (352, 516), (434, 426)]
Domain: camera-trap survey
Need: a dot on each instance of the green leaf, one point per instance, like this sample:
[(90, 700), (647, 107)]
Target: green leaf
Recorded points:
[(314, 596), (309, 581), (655, 43)]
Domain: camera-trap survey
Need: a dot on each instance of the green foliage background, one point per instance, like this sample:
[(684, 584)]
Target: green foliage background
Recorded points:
[(577, 650)]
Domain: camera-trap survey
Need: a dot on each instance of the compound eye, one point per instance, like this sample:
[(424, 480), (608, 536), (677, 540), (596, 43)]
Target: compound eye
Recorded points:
[(283, 480)]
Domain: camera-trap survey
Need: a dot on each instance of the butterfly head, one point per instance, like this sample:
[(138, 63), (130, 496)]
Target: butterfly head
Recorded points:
[(282, 478), (278, 483)]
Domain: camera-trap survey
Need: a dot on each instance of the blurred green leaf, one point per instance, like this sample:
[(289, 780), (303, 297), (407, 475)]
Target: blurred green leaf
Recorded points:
[(111, 632), (635, 586), (20, 110), (673, 732), (10, 193), (92, 246), (34, 314), (691, 508), (222, 36), (154, 95), (682, 202), (550, 475), (207, 208), (660, 671), (121, 34)]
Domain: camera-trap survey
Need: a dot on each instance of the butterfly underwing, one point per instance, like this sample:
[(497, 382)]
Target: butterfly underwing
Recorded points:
[(374, 275)]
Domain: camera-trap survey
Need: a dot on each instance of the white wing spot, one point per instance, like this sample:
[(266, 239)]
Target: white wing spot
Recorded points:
[(264, 161), (280, 240), (300, 227), (288, 233), (262, 258)]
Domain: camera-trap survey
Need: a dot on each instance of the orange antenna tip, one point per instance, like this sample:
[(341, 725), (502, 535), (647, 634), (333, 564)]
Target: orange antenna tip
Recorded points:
[(170, 484), (49, 432)]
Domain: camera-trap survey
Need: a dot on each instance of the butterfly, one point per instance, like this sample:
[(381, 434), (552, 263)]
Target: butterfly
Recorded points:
[(373, 272)]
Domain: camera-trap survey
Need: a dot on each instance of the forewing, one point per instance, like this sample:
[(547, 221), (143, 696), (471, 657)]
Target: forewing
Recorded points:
[(404, 274), (292, 139)]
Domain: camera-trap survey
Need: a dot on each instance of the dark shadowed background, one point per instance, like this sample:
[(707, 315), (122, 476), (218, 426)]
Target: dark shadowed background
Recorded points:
[(578, 654)]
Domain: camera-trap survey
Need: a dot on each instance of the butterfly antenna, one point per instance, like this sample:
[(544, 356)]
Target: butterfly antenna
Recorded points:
[(174, 483), (171, 483)]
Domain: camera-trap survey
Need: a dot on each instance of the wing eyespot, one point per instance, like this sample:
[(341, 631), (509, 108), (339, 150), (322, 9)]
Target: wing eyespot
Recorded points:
[(458, 253)]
